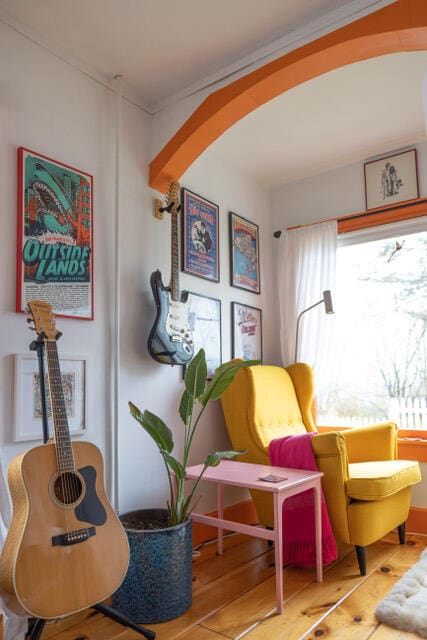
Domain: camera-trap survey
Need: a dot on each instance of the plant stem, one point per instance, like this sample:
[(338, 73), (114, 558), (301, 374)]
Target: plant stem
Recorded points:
[(172, 507), (190, 497), (191, 433)]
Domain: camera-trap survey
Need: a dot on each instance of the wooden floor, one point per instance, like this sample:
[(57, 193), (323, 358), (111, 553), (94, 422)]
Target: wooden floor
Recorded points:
[(234, 597)]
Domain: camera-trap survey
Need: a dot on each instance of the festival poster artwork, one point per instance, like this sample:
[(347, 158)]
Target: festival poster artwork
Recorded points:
[(55, 236), (246, 332), (244, 254), (200, 253)]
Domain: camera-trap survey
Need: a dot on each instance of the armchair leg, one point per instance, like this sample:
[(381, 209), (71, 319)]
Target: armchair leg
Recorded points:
[(361, 558), (401, 532)]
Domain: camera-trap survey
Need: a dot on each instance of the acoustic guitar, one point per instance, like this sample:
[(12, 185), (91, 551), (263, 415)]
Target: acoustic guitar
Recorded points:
[(66, 549), (170, 340)]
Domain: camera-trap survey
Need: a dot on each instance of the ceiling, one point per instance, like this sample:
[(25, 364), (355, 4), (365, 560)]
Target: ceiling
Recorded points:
[(167, 49)]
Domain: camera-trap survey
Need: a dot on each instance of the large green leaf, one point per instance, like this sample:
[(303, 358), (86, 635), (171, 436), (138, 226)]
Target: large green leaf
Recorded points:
[(154, 426), (223, 377), (195, 374), (213, 459), (186, 406), (174, 464)]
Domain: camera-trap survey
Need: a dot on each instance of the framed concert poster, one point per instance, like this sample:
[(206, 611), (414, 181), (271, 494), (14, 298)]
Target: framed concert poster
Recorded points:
[(391, 179), (55, 236), (200, 239), (28, 424), (246, 332), (244, 254), (205, 324)]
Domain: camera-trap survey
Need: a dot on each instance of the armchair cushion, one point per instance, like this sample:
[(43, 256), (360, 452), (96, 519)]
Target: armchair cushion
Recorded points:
[(378, 480)]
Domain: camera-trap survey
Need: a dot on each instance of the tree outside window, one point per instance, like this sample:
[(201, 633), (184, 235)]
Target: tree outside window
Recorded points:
[(379, 368)]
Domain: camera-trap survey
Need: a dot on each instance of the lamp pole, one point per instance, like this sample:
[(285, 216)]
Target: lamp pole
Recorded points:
[(327, 299)]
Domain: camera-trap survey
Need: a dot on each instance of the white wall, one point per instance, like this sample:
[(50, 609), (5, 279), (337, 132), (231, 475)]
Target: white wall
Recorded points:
[(158, 387), (332, 195), (49, 107), (52, 108)]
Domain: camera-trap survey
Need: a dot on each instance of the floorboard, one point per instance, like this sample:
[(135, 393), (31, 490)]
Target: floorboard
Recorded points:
[(234, 598)]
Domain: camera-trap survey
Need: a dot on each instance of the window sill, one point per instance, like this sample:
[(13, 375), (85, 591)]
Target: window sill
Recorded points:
[(412, 447)]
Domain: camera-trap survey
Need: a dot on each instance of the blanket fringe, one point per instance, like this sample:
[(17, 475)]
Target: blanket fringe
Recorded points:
[(303, 553)]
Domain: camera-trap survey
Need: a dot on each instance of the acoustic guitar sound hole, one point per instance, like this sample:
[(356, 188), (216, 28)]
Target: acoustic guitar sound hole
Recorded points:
[(67, 488)]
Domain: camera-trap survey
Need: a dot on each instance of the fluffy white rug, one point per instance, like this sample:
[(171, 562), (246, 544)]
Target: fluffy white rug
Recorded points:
[(405, 607)]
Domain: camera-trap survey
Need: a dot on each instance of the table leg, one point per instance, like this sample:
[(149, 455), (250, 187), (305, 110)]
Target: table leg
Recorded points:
[(278, 549), (220, 503), (318, 523)]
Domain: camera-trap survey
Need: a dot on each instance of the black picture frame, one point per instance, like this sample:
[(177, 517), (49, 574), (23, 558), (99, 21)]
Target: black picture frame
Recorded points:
[(246, 331), (204, 318), (391, 180), (244, 254), (200, 236)]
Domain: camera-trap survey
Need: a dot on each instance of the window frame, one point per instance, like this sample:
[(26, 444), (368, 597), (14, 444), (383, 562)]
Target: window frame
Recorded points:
[(412, 444)]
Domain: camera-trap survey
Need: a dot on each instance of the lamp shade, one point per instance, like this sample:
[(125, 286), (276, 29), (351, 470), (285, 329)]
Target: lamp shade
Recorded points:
[(327, 299)]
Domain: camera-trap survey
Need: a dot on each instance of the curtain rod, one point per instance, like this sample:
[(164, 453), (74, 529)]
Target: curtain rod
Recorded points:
[(355, 216)]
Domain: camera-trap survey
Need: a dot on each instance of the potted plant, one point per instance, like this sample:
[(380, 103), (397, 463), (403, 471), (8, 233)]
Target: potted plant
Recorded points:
[(158, 584)]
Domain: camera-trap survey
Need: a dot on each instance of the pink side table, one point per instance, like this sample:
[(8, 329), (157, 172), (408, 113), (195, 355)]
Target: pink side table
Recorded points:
[(244, 474)]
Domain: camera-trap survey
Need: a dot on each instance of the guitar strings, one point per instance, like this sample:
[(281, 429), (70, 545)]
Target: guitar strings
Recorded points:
[(64, 452)]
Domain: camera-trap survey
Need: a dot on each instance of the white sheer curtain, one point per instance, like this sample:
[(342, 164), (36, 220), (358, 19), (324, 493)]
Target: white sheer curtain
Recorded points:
[(307, 259), (15, 626)]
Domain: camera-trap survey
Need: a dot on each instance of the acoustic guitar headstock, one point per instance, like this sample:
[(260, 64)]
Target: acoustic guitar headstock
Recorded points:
[(43, 318)]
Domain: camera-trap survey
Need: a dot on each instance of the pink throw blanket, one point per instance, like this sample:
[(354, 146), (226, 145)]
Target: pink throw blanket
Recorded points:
[(299, 546)]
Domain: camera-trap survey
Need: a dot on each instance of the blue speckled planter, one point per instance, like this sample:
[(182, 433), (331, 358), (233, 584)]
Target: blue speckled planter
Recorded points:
[(158, 584)]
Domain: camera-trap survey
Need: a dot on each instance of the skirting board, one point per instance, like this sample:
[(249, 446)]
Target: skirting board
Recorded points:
[(417, 520), (245, 512)]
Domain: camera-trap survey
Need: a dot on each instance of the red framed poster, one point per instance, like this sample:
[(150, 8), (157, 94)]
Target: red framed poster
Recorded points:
[(55, 236)]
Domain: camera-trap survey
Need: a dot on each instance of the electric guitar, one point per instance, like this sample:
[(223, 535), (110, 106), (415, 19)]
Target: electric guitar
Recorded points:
[(66, 549), (170, 340)]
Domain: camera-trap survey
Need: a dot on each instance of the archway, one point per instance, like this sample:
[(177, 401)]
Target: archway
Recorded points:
[(401, 26)]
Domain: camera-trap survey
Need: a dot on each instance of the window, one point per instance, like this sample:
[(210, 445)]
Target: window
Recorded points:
[(380, 371)]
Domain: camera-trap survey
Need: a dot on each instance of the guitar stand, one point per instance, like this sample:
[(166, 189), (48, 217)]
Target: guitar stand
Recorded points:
[(36, 625)]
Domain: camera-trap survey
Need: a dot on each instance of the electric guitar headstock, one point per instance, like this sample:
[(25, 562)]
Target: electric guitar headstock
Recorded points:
[(43, 318), (172, 198)]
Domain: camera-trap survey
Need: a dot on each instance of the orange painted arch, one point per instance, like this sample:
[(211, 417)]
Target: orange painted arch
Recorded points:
[(401, 26)]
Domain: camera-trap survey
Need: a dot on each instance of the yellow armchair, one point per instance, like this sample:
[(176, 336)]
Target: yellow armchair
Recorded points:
[(367, 490)]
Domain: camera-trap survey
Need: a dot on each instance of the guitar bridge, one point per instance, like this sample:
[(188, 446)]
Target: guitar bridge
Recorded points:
[(73, 537)]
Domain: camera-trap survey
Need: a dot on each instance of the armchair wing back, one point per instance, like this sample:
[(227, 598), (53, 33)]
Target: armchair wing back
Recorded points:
[(367, 490), (266, 402)]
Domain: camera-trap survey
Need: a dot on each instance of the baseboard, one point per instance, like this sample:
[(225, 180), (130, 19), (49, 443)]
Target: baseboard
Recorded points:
[(417, 520), (240, 512)]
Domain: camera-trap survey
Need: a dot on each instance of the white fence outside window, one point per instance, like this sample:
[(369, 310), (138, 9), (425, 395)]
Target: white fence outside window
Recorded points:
[(408, 414)]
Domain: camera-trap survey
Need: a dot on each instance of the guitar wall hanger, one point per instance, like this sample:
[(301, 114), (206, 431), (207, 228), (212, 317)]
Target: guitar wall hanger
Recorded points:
[(159, 209)]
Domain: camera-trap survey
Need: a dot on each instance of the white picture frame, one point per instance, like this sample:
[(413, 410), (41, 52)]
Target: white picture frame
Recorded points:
[(28, 423)]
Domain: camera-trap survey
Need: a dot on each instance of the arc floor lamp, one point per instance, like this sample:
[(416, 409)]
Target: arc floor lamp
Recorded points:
[(327, 299)]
